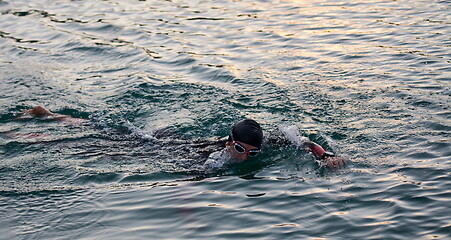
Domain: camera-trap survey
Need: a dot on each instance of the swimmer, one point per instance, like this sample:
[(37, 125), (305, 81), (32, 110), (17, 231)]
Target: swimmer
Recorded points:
[(246, 139)]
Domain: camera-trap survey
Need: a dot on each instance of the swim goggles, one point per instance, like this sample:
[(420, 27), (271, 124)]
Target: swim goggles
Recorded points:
[(242, 150)]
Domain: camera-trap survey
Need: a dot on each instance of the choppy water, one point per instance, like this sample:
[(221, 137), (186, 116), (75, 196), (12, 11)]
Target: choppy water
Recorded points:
[(372, 78)]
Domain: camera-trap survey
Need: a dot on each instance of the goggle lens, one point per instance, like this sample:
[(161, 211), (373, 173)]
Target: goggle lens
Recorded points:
[(253, 153), (239, 148)]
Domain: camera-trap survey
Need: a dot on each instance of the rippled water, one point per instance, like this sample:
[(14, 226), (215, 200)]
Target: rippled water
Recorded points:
[(370, 78)]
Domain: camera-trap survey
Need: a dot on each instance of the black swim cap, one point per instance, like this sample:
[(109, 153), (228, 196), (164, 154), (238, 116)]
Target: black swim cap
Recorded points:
[(248, 131)]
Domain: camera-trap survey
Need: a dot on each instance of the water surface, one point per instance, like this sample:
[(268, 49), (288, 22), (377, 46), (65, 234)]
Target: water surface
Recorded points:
[(371, 80)]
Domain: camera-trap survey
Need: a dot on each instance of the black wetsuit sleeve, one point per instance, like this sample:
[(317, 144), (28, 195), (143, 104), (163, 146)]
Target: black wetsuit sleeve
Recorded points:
[(205, 147)]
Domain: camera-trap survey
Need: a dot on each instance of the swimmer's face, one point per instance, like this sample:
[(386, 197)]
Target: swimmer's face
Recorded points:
[(240, 156)]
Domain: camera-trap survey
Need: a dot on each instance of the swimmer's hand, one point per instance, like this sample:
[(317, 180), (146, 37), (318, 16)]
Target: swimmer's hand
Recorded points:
[(325, 158), (334, 163)]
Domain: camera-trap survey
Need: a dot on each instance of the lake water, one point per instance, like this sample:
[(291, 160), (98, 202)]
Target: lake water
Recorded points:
[(369, 78)]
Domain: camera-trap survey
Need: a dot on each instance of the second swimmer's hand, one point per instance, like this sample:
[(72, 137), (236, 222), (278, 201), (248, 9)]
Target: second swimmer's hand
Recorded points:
[(334, 163)]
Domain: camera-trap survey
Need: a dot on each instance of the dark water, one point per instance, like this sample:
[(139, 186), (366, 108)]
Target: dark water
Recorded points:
[(372, 78)]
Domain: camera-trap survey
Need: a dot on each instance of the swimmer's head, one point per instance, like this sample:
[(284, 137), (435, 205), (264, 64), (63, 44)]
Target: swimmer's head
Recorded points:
[(247, 131)]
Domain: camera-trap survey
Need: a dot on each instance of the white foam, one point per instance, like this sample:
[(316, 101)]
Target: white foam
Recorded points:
[(217, 161), (292, 134), (139, 133)]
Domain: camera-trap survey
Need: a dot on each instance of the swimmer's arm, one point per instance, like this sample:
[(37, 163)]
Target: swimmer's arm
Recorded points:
[(291, 134)]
